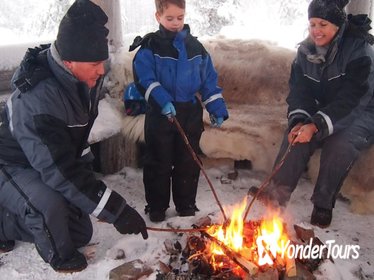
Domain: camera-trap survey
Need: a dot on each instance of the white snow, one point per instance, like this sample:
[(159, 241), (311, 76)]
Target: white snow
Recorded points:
[(347, 229)]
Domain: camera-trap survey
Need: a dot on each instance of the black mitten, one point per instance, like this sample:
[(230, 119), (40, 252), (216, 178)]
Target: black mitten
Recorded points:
[(129, 221)]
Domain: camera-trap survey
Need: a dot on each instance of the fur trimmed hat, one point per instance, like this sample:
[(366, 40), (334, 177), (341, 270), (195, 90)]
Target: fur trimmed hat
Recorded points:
[(82, 35), (330, 10)]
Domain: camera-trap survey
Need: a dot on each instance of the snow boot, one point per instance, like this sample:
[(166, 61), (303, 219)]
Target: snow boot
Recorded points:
[(76, 263), (187, 212), (157, 216), (6, 246), (321, 217)]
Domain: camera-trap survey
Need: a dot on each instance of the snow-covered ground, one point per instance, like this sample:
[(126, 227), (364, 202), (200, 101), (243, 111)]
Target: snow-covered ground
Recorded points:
[(346, 229)]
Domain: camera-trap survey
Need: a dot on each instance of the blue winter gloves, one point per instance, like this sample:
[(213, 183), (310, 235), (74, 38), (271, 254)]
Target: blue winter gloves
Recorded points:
[(217, 111), (130, 221), (216, 121), (168, 110)]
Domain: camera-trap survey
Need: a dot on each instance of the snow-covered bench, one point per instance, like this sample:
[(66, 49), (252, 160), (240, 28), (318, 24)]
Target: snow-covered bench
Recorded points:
[(254, 77)]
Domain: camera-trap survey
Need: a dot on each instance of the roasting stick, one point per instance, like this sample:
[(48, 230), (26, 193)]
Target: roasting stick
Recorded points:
[(197, 160), (268, 179), (176, 229)]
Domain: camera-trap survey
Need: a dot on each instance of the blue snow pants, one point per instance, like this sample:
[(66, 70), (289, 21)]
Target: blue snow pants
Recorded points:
[(31, 211), (339, 151)]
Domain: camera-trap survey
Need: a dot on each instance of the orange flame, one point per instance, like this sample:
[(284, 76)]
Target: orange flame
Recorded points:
[(263, 247), (269, 240), (232, 235)]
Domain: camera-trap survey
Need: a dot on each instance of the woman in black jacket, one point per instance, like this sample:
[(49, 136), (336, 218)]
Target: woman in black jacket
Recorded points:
[(330, 106)]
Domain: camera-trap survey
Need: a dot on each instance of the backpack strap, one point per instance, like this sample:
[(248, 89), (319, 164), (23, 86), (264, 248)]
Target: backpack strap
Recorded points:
[(141, 41), (33, 68)]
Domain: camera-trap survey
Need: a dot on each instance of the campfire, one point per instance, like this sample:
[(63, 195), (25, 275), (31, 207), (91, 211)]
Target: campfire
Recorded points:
[(239, 250), (259, 241), (246, 248)]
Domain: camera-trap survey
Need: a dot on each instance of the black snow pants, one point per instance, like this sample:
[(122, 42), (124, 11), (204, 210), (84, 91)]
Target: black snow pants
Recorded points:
[(31, 211), (339, 151), (168, 160)]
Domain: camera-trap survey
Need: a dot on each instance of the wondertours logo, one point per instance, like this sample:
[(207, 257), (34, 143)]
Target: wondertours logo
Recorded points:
[(317, 251)]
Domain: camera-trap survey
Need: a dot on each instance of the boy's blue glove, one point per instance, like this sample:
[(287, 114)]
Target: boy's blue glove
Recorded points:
[(168, 110), (216, 121)]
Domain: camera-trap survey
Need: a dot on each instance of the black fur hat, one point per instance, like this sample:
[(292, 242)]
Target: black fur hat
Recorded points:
[(330, 10), (82, 35)]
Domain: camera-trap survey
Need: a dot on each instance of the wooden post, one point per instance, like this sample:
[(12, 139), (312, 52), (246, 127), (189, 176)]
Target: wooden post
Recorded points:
[(360, 7), (113, 10), (5, 77), (116, 152)]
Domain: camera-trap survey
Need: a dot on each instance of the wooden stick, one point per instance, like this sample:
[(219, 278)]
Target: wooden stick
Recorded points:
[(197, 160), (248, 266), (268, 180)]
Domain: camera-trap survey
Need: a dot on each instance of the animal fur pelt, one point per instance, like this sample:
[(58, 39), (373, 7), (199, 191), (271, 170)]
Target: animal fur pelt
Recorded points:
[(252, 71), (252, 132), (133, 128), (254, 77), (120, 74)]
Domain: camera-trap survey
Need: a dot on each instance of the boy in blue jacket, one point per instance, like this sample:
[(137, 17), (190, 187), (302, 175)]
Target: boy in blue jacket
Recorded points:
[(169, 69)]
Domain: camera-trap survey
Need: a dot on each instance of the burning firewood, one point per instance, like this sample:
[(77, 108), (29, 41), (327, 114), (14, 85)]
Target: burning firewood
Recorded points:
[(303, 234), (203, 222), (291, 270), (199, 264), (254, 250), (245, 264), (313, 263), (194, 245)]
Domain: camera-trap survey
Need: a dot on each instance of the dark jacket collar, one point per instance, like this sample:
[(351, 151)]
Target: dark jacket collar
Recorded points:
[(163, 32), (61, 73), (308, 48)]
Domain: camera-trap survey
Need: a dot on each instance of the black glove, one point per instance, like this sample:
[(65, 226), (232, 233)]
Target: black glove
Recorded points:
[(129, 221)]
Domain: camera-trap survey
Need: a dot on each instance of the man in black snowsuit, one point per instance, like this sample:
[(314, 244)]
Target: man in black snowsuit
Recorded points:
[(47, 190)]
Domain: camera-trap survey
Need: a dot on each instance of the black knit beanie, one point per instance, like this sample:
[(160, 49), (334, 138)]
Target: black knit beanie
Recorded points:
[(82, 35), (330, 10)]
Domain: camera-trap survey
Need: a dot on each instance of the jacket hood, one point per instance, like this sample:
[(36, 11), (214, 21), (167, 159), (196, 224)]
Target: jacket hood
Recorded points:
[(359, 26)]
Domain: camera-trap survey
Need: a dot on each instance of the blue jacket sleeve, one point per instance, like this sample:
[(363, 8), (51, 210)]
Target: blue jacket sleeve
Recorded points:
[(144, 67), (210, 92)]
